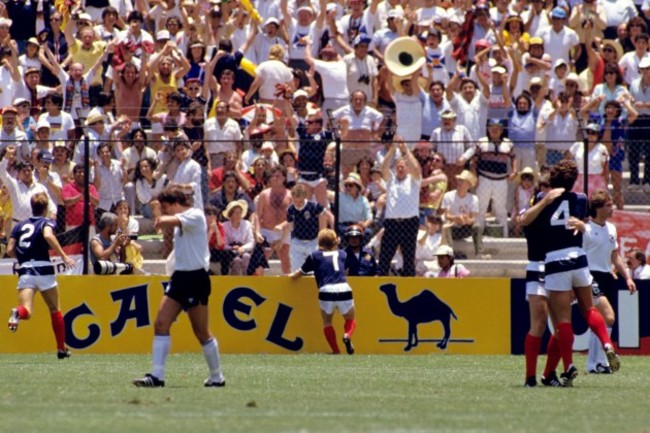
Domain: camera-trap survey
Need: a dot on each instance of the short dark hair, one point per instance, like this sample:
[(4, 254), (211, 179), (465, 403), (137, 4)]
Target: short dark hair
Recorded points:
[(598, 199), (135, 16), (638, 255), (173, 194), (564, 174), (56, 99)]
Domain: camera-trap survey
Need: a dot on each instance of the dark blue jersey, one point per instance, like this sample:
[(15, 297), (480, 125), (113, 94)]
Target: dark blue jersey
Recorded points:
[(312, 152), (30, 242), (555, 217), (305, 220), (328, 267), (363, 265), (535, 238)]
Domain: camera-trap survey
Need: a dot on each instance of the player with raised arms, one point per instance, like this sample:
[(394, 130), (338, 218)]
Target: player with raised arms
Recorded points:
[(188, 289), (565, 265), (334, 292), (30, 242)]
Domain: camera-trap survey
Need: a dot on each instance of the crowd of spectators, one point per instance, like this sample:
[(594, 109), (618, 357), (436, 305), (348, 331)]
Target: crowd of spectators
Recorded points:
[(242, 103)]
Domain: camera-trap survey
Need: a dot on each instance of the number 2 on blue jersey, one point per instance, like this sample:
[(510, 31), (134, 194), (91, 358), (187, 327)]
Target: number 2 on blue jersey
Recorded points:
[(25, 240)]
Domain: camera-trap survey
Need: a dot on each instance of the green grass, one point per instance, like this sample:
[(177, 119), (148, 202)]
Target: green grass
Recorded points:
[(315, 393)]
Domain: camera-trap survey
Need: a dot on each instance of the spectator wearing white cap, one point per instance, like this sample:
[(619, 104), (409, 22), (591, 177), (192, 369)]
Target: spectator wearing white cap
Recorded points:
[(559, 40), (362, 70), (448, 269), (25, 121), (383, 9), (299, 30), (451, 140), (258, 46), (393, 29), (42, 139), (10, 134)]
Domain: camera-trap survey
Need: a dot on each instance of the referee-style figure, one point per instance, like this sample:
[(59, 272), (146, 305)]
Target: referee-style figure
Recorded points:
[(188, 289)]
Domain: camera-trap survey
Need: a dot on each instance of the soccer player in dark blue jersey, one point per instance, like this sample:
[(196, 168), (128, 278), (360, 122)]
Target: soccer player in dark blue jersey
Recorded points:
[(537, 297), (565, 264), (30, 243), (334, 292)]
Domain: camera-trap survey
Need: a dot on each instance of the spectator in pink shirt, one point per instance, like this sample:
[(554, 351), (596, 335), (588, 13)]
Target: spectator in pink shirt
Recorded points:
[(448, 269)]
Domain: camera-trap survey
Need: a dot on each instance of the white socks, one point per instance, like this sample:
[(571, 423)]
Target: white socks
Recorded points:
[(596, 354), (211, 353), (160, 351)]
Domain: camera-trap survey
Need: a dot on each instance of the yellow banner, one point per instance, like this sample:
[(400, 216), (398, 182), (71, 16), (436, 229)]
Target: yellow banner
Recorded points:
[(273, 315)]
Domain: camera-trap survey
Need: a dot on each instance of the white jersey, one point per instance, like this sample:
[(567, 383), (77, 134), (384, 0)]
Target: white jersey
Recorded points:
[(599, 242), (191, 241)]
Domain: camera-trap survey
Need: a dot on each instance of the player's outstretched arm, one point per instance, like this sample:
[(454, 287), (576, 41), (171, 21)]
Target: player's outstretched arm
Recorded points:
[(11, 248), (531, 214), (167, 221)]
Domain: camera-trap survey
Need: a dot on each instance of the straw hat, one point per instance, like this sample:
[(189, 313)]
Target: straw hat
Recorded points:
[(526, 170), (444, 250), (354, 178), (94, 116), (612, 43), (468, 176), (233, 204)]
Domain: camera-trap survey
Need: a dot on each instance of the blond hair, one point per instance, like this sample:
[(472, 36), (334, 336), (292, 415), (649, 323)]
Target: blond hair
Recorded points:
[(276, 52), (328, 240)]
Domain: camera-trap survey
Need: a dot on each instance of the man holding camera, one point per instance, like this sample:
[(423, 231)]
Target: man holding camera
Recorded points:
[(103, 248)]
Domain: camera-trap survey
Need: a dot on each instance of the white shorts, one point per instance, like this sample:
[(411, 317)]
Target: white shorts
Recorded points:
[(535, 284), (312, 183), (566, 281), (273, 236), (343, 306), (40, 282)]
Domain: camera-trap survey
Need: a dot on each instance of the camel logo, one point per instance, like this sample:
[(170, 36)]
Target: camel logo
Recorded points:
[(424, 307)]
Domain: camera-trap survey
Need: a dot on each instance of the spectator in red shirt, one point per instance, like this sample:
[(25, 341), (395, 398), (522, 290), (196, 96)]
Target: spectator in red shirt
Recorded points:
[(73, 199)]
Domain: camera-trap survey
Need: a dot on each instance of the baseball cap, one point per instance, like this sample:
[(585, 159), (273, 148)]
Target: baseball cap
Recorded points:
[(9, 109), (536, 41), (444, 250), (45, 156), (559, 13), (163, 35), (298, 93), (644, 63)]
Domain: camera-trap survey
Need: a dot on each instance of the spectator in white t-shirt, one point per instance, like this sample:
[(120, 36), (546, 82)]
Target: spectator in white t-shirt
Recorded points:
[(333, 73), (272, 78)]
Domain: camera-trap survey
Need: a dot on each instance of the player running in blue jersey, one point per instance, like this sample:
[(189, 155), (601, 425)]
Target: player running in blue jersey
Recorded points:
[(30, 243), (334, 292), (565, 265)]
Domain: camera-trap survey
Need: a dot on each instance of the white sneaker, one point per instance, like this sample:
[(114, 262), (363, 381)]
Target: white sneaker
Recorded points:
[(13, 320), (210, 382)]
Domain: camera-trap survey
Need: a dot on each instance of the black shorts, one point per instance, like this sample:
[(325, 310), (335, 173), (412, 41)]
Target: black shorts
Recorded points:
[(189, 288), (603, 284)]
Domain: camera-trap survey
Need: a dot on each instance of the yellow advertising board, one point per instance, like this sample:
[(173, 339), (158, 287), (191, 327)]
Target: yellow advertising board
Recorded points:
[(273, 315)]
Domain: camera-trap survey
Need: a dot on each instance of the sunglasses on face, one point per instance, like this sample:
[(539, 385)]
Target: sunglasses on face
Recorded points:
[(608, 50), (436, 159)]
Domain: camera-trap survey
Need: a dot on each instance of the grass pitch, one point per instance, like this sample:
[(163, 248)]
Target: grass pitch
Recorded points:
[(315, 393)]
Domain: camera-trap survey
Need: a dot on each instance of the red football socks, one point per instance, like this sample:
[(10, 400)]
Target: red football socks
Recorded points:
[(531, 350), (565, 337), (349, 327), (22, 312), (58, 326), (330, 335), (552, 355), (597, 325)]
